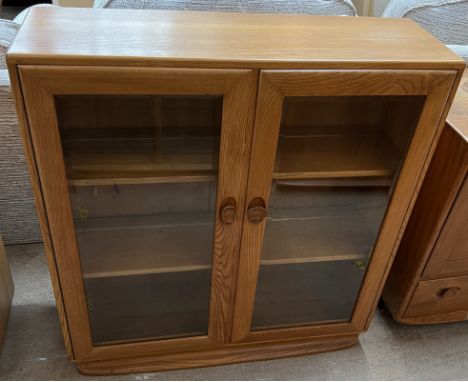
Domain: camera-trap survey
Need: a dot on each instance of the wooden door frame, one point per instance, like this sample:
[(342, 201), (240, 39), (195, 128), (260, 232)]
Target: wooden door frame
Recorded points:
[(274, 85), (238, 87)]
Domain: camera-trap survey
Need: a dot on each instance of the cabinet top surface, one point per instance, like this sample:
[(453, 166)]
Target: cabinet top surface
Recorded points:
[(458, 115), (171, 38)]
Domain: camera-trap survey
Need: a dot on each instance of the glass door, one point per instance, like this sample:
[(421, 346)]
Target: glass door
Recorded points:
[(336, 163), (149, 175), (142, 174), (333, 147)]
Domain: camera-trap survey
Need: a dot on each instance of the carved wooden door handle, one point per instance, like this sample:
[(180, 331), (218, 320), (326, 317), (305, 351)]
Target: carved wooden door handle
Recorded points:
[(227, 211), (256, 211)]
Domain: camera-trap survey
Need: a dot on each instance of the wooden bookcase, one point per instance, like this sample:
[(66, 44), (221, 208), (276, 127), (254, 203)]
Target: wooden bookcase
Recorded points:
[(218, 188)]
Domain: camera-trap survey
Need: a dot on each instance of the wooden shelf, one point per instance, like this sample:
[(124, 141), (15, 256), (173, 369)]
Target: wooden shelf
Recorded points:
[(335, 157), (335, 182), (324, 160), (144, 245), (167, 160), (90, 178), (317, 239), (345, 160)]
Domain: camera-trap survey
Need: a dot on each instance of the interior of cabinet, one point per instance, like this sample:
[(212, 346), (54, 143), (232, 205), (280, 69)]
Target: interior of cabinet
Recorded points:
[(110, 139), (148, 306), (151, 139), (131, 151), (337, 161), (170, 305), (343, 140), (322, 292), (144, 235), (142, 172)]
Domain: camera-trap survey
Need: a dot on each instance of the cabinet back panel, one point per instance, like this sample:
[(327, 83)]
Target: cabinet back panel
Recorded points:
[(345, 136), (131, 136), (299, 294), (144, 199)]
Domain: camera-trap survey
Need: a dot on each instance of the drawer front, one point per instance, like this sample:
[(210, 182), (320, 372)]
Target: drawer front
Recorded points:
[(444, 300)]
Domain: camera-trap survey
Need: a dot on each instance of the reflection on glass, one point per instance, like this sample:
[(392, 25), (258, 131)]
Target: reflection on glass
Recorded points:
[(337, 162), (142, 173)]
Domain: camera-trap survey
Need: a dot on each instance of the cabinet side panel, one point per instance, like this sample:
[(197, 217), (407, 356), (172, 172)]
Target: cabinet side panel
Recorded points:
[(42, 214), (438, 191), (450, 254)]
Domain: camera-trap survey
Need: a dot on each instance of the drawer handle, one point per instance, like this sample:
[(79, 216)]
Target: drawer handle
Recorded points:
[(448, 292), (256, 211), (227, 212)]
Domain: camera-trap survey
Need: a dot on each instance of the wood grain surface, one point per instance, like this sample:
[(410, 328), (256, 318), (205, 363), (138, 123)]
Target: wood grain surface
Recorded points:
[(219, 355), (40, 207), (110, 37), (273, 86), (450, 254), (445, 298), (434, 243), (458, 115), (238, 90), (110, 52)]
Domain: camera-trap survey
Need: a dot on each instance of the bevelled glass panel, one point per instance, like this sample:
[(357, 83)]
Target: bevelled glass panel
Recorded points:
[(337, 162), (142, 171)]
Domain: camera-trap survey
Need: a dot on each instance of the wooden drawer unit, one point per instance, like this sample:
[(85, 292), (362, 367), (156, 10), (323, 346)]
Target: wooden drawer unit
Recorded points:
[(443, 299), (213, 191), (429, 279)]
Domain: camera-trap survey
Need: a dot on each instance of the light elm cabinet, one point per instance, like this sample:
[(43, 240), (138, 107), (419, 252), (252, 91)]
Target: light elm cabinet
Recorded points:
[(214, 192)]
